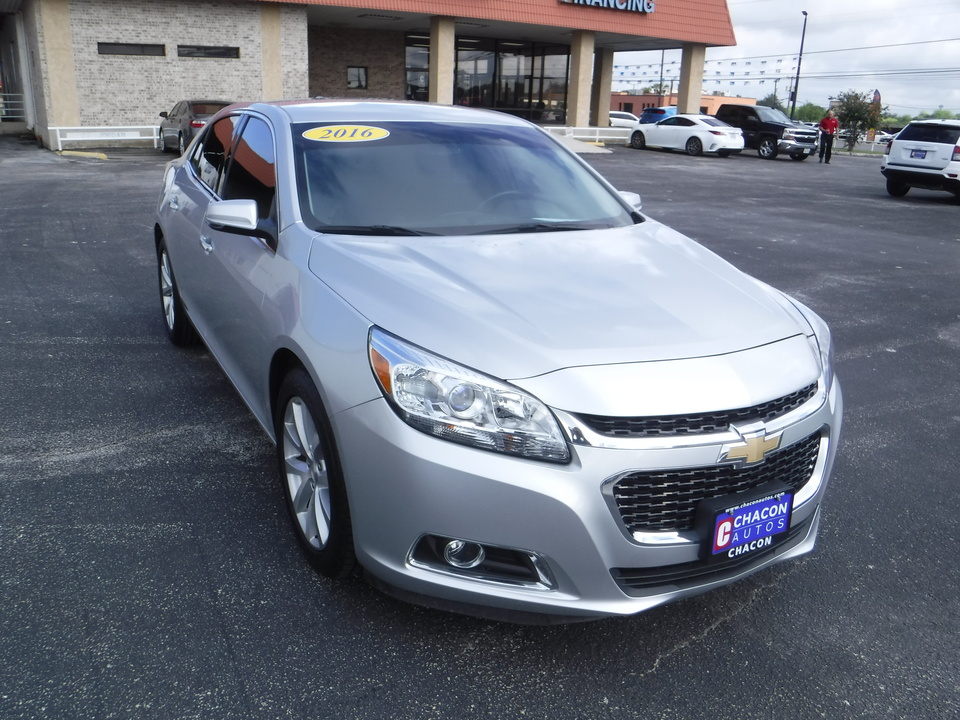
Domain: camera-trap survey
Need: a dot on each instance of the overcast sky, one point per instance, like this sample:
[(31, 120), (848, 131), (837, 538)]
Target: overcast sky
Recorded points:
[(861, 45)]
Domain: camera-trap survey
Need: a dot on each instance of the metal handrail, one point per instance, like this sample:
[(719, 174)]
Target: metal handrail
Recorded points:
[(114, 133), (13, 107), (592, 134)]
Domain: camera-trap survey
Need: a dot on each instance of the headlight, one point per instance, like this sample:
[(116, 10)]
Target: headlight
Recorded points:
[(452, 402)]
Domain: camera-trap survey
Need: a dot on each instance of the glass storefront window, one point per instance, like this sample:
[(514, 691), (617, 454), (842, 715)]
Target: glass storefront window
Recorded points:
[(418, 67), (521, 78)]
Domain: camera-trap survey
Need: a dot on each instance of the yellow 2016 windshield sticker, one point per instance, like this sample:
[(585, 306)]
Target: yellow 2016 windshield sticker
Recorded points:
[(346, 133)]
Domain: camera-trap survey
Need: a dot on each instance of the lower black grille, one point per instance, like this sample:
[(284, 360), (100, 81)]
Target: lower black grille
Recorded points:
[(683, 575), (667, 501)]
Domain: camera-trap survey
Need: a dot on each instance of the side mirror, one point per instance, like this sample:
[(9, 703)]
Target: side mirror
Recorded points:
[(632, 198), (239, 217), (163, 114)]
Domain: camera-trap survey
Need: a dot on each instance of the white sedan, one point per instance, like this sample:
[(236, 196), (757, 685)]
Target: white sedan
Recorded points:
[(619, 118), (696, 134)]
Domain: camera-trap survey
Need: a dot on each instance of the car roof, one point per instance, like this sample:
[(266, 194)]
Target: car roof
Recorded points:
[(936, 121), (349, 110)]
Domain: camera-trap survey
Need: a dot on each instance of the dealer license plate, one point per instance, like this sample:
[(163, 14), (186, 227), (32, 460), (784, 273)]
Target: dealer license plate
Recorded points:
[(740, 525), (918, 154)]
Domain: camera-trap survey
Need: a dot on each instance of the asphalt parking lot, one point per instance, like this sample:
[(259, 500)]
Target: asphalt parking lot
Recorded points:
[(148, 570)]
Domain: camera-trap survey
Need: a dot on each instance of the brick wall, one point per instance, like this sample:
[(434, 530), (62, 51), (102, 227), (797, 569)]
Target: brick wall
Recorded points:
[(333, 50), (132, 90)]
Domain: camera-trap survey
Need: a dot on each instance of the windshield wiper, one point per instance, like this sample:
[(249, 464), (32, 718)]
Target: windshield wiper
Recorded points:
[(542, 227), (386, 230)]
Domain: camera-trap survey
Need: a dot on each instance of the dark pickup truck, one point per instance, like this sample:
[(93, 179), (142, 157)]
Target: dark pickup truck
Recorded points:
[(770, 132)]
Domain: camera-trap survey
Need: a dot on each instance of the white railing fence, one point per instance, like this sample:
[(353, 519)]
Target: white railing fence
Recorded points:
[(61, 135)]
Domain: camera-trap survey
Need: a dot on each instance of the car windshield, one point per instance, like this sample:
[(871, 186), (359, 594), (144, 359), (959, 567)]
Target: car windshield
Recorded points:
[(946, 134), (768, 114), (445, 179)]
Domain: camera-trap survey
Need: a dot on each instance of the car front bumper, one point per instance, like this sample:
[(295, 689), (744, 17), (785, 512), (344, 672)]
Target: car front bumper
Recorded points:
[(792, 147), (407, 489)]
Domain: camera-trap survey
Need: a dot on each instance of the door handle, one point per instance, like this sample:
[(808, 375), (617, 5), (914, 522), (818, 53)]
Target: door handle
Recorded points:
[(206, 244)]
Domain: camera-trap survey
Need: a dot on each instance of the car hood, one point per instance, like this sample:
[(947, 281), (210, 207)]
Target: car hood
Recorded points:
[(518, 306)]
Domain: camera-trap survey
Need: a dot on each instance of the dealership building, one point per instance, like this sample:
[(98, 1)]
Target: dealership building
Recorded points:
[(89, 70)]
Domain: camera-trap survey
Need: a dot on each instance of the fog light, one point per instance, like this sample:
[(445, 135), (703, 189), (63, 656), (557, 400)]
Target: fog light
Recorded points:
[(463, 555)]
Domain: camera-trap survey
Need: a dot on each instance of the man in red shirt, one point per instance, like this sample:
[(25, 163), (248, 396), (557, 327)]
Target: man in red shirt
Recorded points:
[(828, 131)]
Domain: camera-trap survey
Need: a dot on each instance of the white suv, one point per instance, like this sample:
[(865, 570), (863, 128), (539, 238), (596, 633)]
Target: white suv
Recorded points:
[(925, 154)]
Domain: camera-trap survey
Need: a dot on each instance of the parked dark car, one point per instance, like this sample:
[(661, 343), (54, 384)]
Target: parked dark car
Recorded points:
[(770, 132), (185, 120)]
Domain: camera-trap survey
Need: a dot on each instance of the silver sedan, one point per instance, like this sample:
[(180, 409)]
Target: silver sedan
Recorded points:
[(493, 382)]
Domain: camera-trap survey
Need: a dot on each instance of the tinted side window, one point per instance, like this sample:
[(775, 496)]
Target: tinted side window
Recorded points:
[(252, 174), (685, 122), (930, 133), (210, 158)]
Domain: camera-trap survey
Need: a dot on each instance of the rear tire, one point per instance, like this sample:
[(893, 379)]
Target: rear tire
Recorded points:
[(179, 328), (798, 156), (768, 149), (694, 147), (896, 188), (723, 153), (181, 143), (638, 141), (311, 477)]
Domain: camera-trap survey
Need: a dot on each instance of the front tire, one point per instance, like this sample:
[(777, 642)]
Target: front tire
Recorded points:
[(896, 188), (638, 141), (768, 149), (179, 328), (694, 147), (311, 477), (163, 142)]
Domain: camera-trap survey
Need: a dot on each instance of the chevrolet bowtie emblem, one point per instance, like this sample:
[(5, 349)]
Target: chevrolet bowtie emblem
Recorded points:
[(752, 450)]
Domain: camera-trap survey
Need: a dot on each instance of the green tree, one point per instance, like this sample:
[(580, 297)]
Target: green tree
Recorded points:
[(772, 101), (657, 89), (857, 114), (940, 114), (809, 112)]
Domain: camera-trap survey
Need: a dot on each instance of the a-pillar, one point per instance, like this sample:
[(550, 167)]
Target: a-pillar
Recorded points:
[(442, 59), (691, 78), (602, 83), (581, 76)]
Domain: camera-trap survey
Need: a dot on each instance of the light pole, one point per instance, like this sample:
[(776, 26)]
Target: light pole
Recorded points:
[(796, 83)]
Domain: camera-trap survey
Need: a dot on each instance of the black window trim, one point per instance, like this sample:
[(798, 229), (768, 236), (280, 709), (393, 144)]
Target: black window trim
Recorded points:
[(245, 116), (134, 49), (211, 52)]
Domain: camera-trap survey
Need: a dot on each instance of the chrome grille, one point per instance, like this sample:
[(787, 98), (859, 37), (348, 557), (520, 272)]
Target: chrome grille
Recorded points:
[(667, 501), (699, 423)]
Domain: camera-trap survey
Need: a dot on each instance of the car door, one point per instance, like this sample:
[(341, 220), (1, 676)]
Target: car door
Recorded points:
[(239, 269), (195, 186), (664, 133), (168, 126), (750, 126), (683, 130)]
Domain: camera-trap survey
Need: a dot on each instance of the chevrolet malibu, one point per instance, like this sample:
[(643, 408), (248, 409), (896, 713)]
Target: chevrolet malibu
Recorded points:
[(493, 382)]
